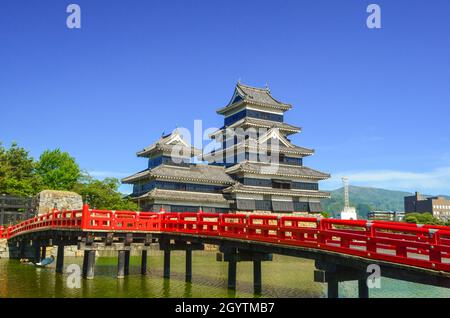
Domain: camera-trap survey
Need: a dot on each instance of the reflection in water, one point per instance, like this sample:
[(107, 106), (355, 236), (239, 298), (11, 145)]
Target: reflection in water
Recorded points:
[(283, 277), (166, 288), (187, 290)]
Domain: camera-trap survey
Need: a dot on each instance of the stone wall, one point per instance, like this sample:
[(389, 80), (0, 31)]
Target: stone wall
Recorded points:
[(4, 253), (47, 200)]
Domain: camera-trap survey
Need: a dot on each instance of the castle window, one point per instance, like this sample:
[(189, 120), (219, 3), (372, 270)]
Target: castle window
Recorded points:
[(281, 184)]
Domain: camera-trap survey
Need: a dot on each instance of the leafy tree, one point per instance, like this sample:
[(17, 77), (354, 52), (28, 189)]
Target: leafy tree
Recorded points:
[(103, 194), (364, 209), (411, 219), (325, 214), (422, 218), (58, 170), (17, 172)]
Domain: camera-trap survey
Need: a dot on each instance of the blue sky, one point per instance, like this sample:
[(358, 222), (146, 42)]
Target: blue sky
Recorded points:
[(374, 104)]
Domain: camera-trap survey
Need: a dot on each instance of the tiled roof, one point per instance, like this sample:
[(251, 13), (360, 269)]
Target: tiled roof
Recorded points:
[(258, 95), (162, 144), (260, 123), (277, 169), (173, 195), (255, 148), (239, 187), (254, 95), (193, 173)]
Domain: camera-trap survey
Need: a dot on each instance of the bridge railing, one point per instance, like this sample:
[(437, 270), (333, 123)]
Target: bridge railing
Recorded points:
[(425, 246)]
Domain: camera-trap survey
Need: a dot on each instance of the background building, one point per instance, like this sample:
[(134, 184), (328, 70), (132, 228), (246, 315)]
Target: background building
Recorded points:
[(14, 209), (438, 206), (386, 215), (241, 174)]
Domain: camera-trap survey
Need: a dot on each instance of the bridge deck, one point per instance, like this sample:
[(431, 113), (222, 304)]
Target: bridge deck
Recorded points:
[(421, 249)]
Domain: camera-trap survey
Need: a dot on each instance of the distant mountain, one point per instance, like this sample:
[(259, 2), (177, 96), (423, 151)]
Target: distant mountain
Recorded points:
[(365, 199)]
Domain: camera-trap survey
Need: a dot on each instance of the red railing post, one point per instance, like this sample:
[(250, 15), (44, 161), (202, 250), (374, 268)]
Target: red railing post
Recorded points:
[(371, 246), (321, 238), (435, 253), (54, 213), (85, 216)]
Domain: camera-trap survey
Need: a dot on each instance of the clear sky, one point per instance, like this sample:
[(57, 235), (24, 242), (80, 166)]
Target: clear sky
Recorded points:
[(373, 103)]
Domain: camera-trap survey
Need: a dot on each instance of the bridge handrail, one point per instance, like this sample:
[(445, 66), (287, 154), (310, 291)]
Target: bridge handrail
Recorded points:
[(417, 245)]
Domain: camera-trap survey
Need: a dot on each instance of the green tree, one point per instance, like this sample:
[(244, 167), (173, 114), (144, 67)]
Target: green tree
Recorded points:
[(411, 219), (58, 170), (325, 214), (103, 194), (422, 218), (17, 172)]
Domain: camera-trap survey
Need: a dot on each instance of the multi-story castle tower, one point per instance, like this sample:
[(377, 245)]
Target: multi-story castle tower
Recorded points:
[(267, 166), (255, 169)]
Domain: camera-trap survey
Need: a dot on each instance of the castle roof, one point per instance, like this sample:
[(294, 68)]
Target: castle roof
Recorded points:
[(240, 188), (253, 147), (167, 143), (277, 170), (174, 195), (253, 95), (199, 173), (248, 122)]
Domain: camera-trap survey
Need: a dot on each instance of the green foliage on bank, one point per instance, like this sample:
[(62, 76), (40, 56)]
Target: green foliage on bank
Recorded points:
[(22, 175), (423, 218)]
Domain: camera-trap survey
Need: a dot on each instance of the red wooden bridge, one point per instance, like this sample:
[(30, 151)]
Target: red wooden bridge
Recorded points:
[(342, 249)]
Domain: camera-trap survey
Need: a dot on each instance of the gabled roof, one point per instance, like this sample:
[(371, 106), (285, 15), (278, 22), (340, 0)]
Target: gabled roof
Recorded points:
[(254, 147), (277, 170), (197, 173), (274, 133), (167, 143), (253, 95), (262, 144)]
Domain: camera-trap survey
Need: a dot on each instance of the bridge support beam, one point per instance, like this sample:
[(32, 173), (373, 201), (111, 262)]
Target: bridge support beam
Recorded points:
[(332, 274), (232, 269), (127, 263), (257, 286), (60, 259), (167, 246), (363, 289), (166, 263), (333, 288), (144, 262), (89, 264), (43, 252), (37, 251), (121, 264), (22, 249), (233, 255), (188, 266)]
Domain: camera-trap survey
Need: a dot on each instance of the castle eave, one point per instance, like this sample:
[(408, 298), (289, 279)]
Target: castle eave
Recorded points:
[(185, 196), (277, 170), (239, 188)]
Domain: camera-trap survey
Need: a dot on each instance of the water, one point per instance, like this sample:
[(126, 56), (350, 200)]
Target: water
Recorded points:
[(283, 277)]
